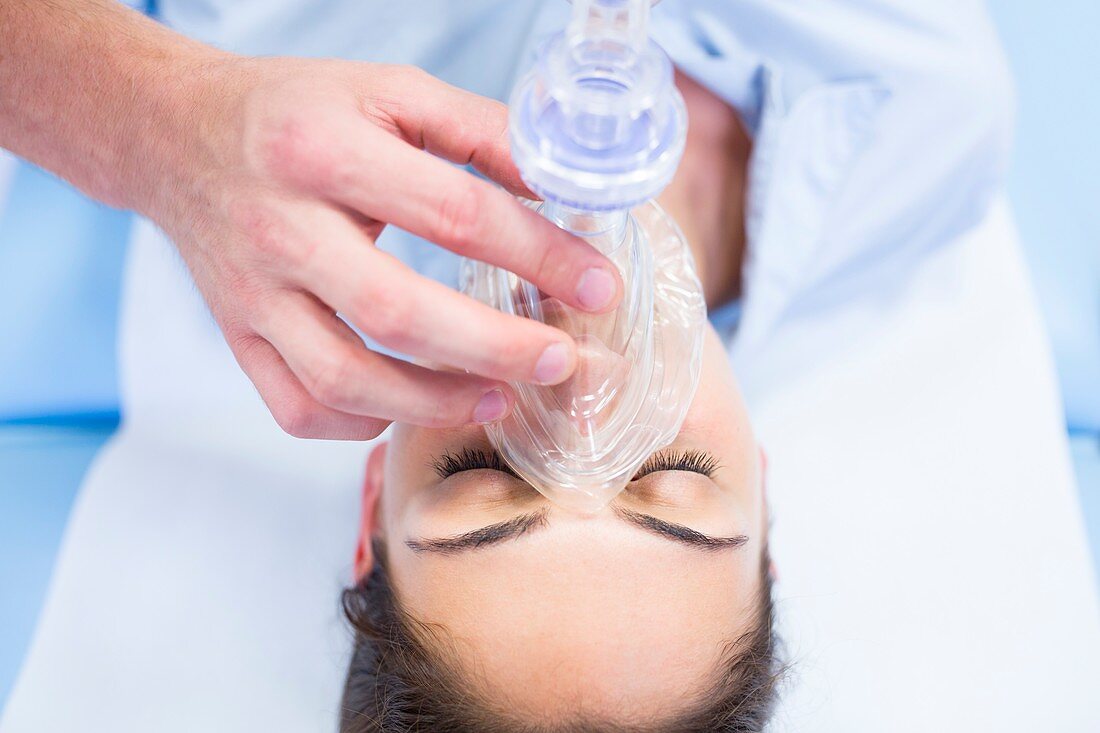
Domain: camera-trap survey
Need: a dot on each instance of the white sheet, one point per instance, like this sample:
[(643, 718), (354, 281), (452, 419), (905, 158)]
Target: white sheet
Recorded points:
[(934, 573)]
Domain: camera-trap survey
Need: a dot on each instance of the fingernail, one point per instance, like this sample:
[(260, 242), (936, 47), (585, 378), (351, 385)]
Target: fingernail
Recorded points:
[(595, 289), (550, 368), (491, 407)]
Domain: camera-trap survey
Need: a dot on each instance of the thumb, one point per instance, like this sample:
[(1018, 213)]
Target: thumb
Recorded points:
[(456, 125)]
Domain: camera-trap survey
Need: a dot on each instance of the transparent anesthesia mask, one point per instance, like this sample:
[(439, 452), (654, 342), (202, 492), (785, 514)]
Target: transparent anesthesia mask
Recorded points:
[(597, 129), (580, 442)]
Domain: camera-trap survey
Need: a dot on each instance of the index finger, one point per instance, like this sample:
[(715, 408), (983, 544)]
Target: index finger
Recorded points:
[(471, 217), (455, 124)]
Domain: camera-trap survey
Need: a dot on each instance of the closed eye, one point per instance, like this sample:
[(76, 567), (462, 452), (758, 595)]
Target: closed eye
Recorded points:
[(694, 461), (473, 459), (470, 459)]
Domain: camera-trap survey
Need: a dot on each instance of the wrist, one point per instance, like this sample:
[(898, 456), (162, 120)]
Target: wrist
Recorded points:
[(100, 95), (179, 118)]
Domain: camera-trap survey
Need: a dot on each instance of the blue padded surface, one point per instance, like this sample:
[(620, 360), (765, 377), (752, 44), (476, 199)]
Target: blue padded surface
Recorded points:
[(41, 467), (1054, 186), (60, 276)]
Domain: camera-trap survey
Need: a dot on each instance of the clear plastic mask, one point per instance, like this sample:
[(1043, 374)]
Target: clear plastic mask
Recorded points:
[(597, 129), (580, 442)]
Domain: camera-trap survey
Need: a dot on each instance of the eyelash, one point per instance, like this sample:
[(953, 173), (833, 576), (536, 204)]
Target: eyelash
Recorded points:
[(696, 461), (470, 459), (473, 459)]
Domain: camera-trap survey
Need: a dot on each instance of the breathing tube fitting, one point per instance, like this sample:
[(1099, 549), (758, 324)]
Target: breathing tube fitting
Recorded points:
[(597, 129), (598, 124)]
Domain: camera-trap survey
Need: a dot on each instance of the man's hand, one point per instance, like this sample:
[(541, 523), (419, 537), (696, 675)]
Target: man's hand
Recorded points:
[(310, 160), (274, 177)]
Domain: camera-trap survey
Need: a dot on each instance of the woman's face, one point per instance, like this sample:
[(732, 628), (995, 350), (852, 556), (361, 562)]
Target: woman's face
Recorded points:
[(612, 613)]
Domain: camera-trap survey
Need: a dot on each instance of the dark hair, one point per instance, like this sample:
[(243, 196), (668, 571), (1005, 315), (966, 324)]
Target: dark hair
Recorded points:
[(402, 680)]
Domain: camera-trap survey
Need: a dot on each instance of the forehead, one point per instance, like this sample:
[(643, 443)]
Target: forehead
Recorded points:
[(572, 616)]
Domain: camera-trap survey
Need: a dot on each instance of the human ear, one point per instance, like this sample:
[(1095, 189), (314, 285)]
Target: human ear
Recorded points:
[(368, 519)]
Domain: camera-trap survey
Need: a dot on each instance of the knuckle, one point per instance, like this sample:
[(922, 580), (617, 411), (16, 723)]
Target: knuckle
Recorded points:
[(551, 264), (408, 75), (418, 74), (283, 141), (507, 345), (447, 410), (386, 90), (387, 319), (296, 418), (247, 288), (294, 412), (295, 149), (271, 237), (511, 355), (458, 219), (244, 344), (262, 307), (262, 227), (505, 355), (327, 377), (259, 304)]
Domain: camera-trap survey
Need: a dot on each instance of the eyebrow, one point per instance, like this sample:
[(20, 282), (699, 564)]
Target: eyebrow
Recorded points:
[(518, 526), (679, 532), (494, 533)]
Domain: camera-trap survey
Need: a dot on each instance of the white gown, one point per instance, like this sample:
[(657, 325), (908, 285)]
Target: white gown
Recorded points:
[(933, 569)]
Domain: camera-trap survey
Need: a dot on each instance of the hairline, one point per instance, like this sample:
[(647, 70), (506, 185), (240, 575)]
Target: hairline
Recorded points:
[(455, 674)]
